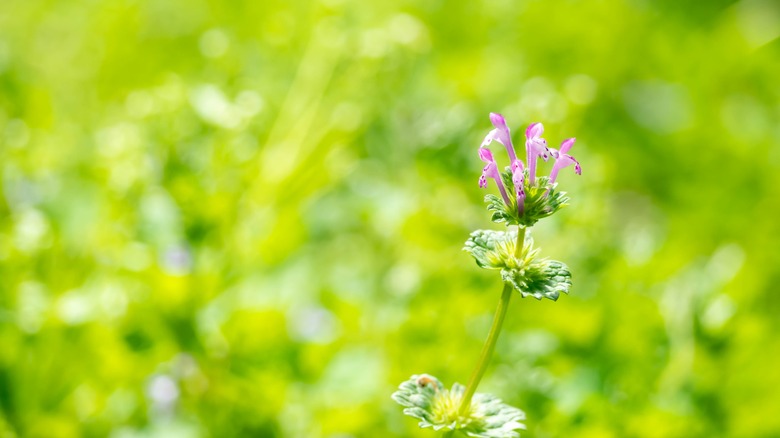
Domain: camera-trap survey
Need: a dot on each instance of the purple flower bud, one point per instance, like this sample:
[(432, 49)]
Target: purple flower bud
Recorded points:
[(517, 165), (518, 181)]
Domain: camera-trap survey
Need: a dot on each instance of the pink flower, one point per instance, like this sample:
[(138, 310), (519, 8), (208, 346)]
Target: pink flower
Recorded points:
[(563, 159), (501, 135), (519, 180), (491, 171), (535, 147)]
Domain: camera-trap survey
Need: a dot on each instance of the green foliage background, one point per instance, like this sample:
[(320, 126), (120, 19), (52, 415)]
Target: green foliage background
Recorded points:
[(245, 218)]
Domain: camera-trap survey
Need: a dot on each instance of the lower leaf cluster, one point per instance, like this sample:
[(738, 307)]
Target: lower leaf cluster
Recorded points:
[(425, 397)]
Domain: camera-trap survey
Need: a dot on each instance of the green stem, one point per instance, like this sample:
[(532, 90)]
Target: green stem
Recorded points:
[(520, 241), (487, 349)]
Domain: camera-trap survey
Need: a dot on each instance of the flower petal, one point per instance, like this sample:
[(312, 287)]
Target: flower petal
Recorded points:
[(501, 133), (544, 150), (567, 144), (492, 135), (565, 160), (498, 121), (485, 155), (517, 180), (536, 147), (534, 130)]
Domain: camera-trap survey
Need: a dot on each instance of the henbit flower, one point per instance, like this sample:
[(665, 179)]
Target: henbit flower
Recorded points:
[(501, 135), (535, 147), (563, 159), (491, 171), (519, 181)]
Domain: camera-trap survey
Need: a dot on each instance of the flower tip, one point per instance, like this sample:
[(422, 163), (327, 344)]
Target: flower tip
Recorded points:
[(497, 120), (534, 130), (567, 144), (578, 169), (485, 155)]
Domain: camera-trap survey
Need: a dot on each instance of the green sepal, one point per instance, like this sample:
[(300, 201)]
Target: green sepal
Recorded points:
[(424, 397), (541, 200)]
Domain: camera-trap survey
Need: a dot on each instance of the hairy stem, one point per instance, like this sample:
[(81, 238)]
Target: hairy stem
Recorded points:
[(487, 349)]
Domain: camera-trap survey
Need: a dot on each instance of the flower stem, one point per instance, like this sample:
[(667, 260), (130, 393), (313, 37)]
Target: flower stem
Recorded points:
[(520, 241), (487, 349)]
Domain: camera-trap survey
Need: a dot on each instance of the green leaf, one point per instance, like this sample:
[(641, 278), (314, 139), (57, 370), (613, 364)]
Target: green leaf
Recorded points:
[(528, 274), (424, 397), (491, 249), (500, 211), (540, 279), (541, 200)]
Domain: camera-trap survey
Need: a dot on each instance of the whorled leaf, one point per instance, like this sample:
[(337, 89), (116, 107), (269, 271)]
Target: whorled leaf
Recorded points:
[(542, 200), (540, 279), (491, 249), (425, 398), (497, 249), (529, 275)]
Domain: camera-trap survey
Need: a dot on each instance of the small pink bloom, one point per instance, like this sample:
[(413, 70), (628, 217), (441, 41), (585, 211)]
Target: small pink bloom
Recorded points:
[(517, 164), (534, 130), (535, 147), (563, 160), (567, 144), (519, 181), (501, 135), (491, 171)]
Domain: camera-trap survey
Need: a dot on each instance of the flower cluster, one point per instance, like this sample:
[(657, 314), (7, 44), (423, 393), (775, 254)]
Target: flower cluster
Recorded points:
[(532, 198)]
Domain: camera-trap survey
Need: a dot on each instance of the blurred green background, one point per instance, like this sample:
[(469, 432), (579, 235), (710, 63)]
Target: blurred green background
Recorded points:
[(245, 218)]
